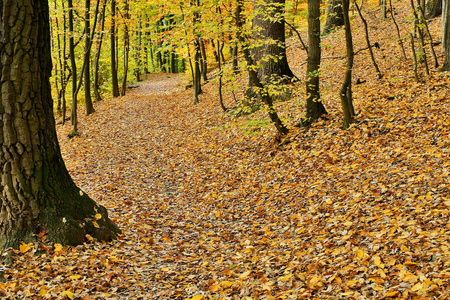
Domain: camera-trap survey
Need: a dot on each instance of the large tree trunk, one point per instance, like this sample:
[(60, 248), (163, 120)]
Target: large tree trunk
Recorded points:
[(446, 34), (335, 16), (269, 30), (314, 107), (37, 192)]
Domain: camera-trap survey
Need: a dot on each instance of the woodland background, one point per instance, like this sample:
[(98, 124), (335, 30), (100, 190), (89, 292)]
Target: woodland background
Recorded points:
[(217, 205)]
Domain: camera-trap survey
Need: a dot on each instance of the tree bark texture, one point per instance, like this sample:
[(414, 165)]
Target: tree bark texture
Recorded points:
[(314, 107), (433, 9), (335, 16), (269, 35), (36, 191), (266, 98)]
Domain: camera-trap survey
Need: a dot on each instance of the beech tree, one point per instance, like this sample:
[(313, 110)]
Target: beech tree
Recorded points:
[(314, 107), (335, 16), (37, 193), (269, 33)]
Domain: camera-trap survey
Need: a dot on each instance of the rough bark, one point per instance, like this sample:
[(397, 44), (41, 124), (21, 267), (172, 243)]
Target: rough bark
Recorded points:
[(433, 9), (335, 17), (36, 192), (266, 98), (314, 107), (269, 32)]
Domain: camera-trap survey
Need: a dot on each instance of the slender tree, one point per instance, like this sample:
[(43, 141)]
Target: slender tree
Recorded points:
[(366, 31), (346, 89), (126, 41), (87, 54), (115, 80), (446, 34), (73, 66), (102, 18), (314, 107), (38, 194)]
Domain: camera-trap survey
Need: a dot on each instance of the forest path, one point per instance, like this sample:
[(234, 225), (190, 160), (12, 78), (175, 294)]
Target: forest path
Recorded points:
[(142, 156), (209, 207)]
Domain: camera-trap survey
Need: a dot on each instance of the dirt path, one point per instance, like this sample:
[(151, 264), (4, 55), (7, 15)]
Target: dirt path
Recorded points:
[(160, 84), (134, 157)]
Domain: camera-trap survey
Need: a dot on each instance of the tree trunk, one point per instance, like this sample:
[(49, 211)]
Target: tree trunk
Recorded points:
[(204, 61), (115, 80), (74, 120), (314, 107), (433, 9), (446, 34), (267, 99), (126, 39), (38, 193), (335, 17), (97, 95), (269, 30), (346, 89), (87, 49)]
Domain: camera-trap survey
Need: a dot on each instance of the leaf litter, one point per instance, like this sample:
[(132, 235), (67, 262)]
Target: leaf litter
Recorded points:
[(211, 207)]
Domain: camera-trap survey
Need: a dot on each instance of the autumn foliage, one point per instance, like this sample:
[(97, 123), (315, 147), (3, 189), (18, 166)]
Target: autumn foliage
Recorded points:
[(215, 207)]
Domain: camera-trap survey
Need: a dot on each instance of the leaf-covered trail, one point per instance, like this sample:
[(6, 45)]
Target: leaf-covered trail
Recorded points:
[(211, 206)]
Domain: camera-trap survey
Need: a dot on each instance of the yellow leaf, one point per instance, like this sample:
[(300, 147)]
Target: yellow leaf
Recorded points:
[(24, 247), (392, 294), (416, 287), (404, 248), (244, 275), (89, 238), (214, 288), (98, 216), (95, 224), (377, 262), (81, 193), (411, 278), (75, 277), (43, 291), (360, 254), (226, 284), (315, 279), (336, 251), (352, 282), (68, 294), (284, 278), (58, 247), (165, 269), (197, 297)]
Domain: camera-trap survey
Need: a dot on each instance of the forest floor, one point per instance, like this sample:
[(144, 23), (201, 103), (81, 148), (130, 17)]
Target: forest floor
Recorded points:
[(215, 207)]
